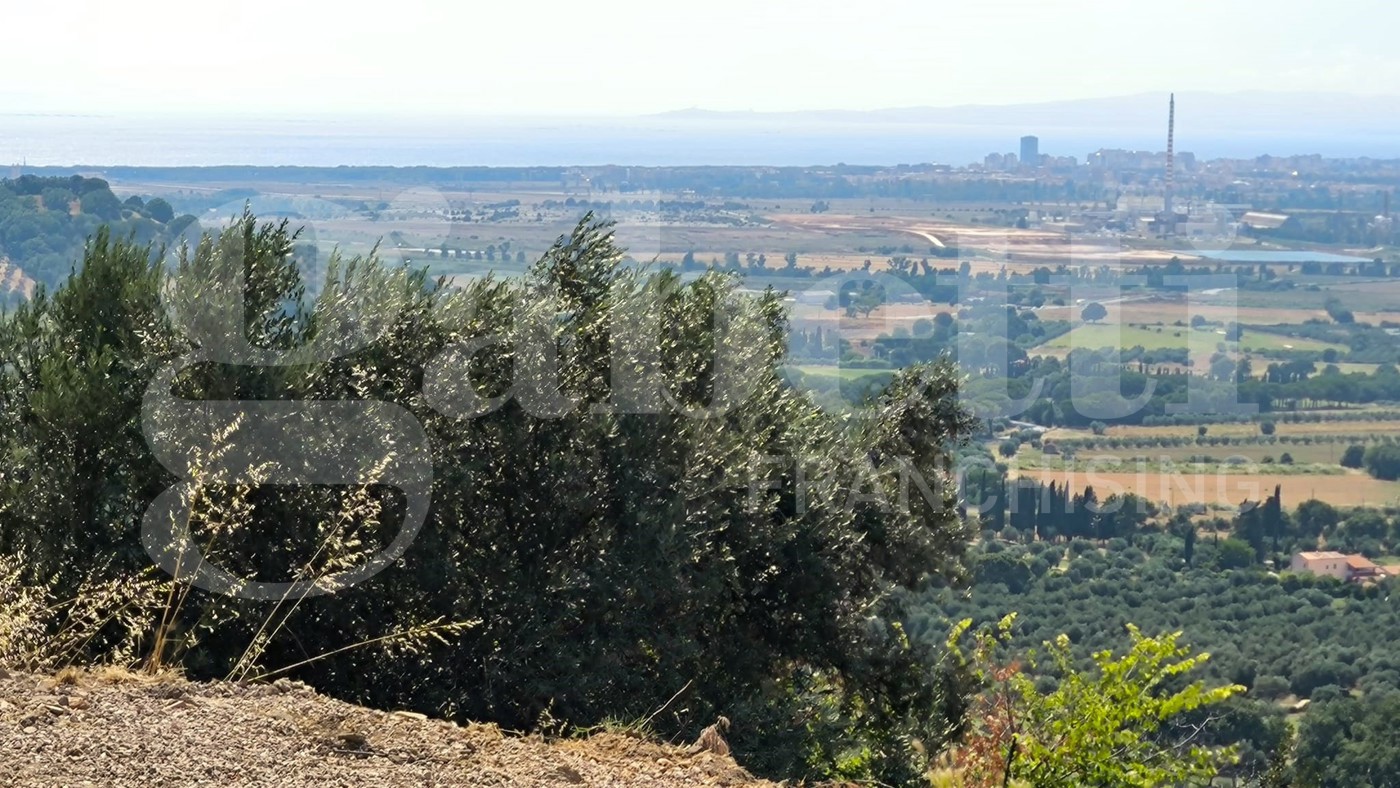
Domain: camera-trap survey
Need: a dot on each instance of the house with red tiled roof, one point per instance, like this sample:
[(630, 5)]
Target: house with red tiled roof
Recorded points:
[(1360, 569), (1349, 568)]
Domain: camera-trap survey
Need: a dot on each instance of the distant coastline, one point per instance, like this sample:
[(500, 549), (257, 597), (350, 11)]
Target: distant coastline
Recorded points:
[(1209, 125)]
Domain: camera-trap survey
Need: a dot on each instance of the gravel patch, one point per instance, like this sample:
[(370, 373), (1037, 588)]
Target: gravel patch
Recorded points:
[(122, 730)]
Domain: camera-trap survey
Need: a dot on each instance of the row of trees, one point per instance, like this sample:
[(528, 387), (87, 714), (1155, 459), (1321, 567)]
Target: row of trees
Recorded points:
[(1352, 442), (1052, 512)]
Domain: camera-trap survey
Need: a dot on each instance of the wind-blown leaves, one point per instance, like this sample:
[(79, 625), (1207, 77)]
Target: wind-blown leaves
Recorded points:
[(1125, 723)]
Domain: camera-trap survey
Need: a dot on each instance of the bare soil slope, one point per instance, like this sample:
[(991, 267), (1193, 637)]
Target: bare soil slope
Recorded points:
[(88, 730)]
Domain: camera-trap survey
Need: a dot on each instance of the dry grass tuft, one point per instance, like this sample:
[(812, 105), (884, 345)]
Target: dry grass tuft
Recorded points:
[(41, 635), (712, 740), (68, 677), (111, 675)]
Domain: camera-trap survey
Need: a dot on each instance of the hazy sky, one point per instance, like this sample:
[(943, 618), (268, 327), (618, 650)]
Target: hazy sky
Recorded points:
[(407, 57)]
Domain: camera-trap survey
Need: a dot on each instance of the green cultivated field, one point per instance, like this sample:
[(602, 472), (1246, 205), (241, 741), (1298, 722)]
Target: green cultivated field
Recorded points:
[(1158, 337), (1265, 341), (844, 373), (1093, 336)]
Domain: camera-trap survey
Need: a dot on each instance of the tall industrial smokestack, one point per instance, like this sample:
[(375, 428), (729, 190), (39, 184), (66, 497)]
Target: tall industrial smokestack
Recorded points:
[(1171, 172)]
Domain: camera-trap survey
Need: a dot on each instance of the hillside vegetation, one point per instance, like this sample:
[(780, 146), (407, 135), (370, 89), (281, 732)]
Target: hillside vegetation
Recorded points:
[(577, 562), (1285, 638), (44, 223)]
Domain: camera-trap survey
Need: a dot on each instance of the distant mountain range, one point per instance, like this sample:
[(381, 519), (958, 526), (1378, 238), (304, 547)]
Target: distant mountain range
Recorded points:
[(1198, 113)]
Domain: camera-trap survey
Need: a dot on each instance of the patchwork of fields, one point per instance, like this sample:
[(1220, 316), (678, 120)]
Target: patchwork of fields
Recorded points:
[(854, 235)]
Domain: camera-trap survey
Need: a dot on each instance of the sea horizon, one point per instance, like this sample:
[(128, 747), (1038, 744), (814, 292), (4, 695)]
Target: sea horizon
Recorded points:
[(97, 141)]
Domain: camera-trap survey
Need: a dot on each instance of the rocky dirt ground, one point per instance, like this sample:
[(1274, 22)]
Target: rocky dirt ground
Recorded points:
[(118, 729)]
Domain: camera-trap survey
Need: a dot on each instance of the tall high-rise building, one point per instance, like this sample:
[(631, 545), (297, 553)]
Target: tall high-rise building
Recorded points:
[(1030, 151)]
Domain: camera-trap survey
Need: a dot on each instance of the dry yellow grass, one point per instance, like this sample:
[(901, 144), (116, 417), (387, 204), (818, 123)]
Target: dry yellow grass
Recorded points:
[(96, 675), (1222, 489)]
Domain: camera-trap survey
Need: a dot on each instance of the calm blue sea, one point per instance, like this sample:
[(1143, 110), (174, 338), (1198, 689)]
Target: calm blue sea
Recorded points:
[(150, 141)]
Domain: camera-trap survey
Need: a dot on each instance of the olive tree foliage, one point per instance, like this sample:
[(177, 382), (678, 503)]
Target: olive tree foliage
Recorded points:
[(632, 515), (76, 471), (1348, 741)]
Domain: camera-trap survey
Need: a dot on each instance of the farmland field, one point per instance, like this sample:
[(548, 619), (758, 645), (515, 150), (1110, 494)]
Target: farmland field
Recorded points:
[(1368, 299), (1100, 335), (1156, 337), (1323, 454), (1228, 489), (1360, 428), (1172, 310), (844, 373), (1344, 367), (1264, 341), (845, 262), (1231, 473)]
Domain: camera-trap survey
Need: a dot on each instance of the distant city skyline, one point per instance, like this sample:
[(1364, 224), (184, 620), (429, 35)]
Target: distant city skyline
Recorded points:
[(619, 57)]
